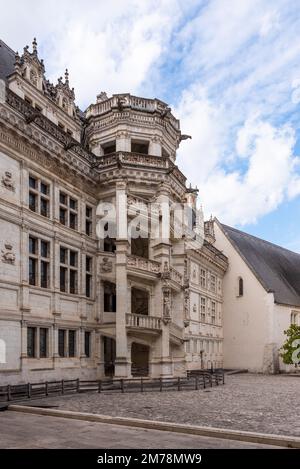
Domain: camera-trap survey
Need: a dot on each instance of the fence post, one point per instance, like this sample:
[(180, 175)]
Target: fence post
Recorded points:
[(223, 378), (210, 380), (29, 390), (160, 384), (204, 383), (178, 381), (122, 385), (62, 386), (8, 392), (196, 382), (77, 385), (99, 385), (142, 385), (46, 388)]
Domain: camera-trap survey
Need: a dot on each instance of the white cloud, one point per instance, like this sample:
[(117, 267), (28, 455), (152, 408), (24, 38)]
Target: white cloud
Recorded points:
[(231, 68), (259, 184)]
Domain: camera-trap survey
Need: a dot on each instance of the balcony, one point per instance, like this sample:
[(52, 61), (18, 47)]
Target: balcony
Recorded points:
[(143, 266), (141, 321)]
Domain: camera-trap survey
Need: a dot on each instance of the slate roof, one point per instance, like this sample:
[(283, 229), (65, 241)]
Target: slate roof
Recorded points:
[(7, 60), (277, 268)]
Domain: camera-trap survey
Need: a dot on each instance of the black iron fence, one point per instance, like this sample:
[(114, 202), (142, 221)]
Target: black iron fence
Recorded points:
[(195, 380)]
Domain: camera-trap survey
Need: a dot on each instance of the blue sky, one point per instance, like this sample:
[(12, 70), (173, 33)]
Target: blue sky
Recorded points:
[(230, 69)]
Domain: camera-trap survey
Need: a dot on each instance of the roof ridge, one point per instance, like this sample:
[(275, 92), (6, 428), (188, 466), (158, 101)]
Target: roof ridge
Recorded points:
[(260, 239)]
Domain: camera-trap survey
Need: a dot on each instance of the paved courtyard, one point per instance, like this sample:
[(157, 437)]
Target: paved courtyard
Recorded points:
[(35, 431), (252, 402)]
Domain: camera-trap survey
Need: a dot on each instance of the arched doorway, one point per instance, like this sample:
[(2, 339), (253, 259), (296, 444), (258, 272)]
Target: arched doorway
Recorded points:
[(139, 359)]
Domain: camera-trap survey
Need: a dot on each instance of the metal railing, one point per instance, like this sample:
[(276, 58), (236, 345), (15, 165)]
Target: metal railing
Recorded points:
[(195, 380)]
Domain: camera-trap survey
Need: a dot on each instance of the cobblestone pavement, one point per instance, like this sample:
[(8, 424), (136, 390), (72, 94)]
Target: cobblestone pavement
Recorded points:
[(36, 431), (252, 402)]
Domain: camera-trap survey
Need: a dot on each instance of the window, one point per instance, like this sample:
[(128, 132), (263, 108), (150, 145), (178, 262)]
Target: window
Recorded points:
[(202, 309), (43, 342), (109, 147), (72, 343), (88, 276), (140, 147), (203, 278), (240, 286), (88, 220), (213, 312), (295, 318), (39, 196), (109, 297), (37, 342), (68, 270), (68, 211), (39, 262), (87, 343), (61, 342), (66, 343), (212, 282), (31, 338)]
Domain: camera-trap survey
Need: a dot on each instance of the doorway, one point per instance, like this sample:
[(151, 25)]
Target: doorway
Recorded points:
[(139, 359)]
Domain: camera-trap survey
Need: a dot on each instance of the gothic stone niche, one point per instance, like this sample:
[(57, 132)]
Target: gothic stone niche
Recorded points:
[(7, 181), (166, 305), (7, 254), (106, 265)]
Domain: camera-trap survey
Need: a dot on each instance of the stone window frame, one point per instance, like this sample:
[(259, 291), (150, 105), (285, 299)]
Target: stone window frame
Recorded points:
[(89, 276), (68, 210), (295, 317), (203, 305), (68, 268), (89, 333), (39, 194), (213, 306), (38, 259), (37, 341), (88, 220), (203, 278), (66, 343), (213, 283)]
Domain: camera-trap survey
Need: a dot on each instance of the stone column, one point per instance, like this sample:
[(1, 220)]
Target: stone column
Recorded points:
[(98, 347), (122, 368), (55, 341), (123, 142), (155, 147), (23, 339)]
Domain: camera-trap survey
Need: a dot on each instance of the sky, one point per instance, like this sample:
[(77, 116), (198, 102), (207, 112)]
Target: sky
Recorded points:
[(230, 69)]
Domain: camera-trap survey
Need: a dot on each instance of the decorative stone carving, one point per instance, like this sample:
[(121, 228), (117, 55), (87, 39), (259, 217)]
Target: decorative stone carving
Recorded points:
[(186, 296), (102, 97), (106, 265), (7, 181), (166, 305), (8, 256)]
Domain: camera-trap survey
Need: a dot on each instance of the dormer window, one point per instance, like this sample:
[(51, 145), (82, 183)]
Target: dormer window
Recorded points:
[(33, 77), (240, 286), (64, 104)]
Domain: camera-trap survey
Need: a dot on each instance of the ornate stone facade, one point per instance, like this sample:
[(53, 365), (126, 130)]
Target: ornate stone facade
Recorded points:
[(76, 306)]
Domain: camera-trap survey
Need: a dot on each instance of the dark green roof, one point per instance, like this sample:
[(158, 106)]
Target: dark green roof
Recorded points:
[(277, 268)]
